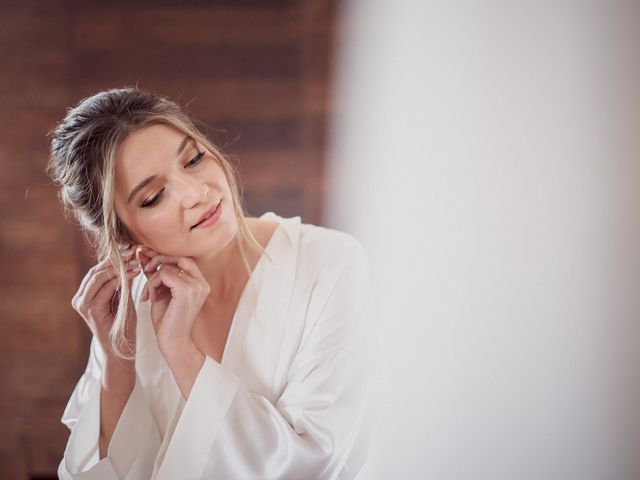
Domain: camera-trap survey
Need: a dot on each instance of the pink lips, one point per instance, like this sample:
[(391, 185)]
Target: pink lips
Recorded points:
[(207, 214)]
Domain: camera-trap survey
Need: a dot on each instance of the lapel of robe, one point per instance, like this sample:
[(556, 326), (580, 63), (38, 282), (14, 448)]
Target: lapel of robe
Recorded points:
[(254, 350)]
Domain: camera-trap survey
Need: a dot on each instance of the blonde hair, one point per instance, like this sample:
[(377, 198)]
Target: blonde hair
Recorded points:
[(82, 164)]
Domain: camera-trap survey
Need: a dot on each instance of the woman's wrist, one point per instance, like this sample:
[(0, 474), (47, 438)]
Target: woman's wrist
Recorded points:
[(118, 371), (181, 352), (176, 348), (185, 360)]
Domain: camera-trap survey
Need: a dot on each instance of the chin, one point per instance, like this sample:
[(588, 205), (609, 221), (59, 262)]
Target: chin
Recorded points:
[(220, 238)]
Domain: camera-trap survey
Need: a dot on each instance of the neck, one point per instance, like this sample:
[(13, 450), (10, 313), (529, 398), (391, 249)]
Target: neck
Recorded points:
[(224, 271)]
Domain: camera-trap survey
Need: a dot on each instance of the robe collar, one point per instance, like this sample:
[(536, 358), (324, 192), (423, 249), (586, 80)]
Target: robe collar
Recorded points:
[(290, 225), (253, 345)]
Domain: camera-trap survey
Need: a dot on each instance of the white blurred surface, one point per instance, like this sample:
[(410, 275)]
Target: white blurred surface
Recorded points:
[(487, 155)]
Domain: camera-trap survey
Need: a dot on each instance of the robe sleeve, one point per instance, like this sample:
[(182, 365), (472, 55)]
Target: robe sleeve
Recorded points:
[(309, 432), (135, 441)]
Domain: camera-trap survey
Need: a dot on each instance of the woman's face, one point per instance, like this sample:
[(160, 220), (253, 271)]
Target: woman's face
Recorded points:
[(185, 182)]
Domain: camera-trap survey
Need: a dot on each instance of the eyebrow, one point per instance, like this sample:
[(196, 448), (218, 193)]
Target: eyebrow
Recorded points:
[(150, 179)]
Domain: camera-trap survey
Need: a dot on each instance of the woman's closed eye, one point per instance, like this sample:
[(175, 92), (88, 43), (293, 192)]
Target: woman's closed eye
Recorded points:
[(154, 200), (196, 160), (151, 202)]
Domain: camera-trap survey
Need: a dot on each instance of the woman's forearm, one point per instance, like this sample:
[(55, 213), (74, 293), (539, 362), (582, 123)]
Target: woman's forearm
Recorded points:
[(118, 380), (185, 362)]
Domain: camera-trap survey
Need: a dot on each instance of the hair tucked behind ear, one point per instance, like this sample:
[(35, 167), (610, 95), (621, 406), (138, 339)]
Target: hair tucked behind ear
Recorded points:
[(82, 164)]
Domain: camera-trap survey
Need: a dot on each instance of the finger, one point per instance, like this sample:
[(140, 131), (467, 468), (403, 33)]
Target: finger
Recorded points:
[(184, 263), (97, 283), (99, 279), (166, 276), (128, 253), (144, 255), (109, 288), (106, 294), (154, 286), (131, 274), (100, 266), (146, 294), (114, 298), (105, 265), (146, 251), (128, 265), (173, 270), (89, 274)]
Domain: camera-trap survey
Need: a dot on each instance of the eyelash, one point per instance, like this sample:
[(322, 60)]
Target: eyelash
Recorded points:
[(194, 161)]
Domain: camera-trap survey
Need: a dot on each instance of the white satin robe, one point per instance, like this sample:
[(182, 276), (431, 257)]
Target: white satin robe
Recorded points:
[(290, 398)]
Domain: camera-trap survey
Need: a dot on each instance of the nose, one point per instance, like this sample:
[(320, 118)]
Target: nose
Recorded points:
[(191, 191)]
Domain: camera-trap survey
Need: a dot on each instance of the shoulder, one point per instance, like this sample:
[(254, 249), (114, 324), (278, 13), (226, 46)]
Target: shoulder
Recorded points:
[(328, 241), (334, 278), (262, 229), (328, 251), (320, 252)]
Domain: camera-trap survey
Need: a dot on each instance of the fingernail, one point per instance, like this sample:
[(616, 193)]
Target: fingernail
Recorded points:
[(123, 246)]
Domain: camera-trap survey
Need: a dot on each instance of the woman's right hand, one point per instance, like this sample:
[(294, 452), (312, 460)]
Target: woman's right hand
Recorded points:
[(97, 296)]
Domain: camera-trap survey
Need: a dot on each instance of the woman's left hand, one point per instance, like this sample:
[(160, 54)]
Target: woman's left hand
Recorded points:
[(176, 298)]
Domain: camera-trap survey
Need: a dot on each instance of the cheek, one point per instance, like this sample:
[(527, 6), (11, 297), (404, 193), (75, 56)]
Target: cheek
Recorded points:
[(218, 173), (159, 221), (150, 225)]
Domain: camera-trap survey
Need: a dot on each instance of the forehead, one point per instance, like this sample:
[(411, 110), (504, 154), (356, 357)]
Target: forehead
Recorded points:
[(148, 145)]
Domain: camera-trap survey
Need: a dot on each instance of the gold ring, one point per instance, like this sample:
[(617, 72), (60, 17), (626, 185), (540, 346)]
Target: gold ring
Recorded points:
[(181, 272)]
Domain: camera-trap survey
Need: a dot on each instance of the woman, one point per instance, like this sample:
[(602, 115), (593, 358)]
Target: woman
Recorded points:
[(223, 346)]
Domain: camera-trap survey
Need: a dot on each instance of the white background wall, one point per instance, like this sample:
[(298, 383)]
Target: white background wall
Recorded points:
[(487, 153)]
